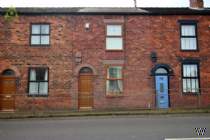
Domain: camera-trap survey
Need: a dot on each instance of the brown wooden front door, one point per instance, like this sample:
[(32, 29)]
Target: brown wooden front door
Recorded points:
[(7, 93), (85, 92)]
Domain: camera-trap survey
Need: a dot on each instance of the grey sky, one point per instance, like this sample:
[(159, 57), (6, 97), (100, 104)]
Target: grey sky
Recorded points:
[(97, 3)]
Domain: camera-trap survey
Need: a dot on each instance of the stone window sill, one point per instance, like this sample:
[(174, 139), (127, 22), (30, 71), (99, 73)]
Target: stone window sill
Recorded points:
[(112, 95)]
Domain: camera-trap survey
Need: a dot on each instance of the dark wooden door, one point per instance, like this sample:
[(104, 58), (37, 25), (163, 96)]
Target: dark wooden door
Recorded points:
[(7, 93), (85, 92)]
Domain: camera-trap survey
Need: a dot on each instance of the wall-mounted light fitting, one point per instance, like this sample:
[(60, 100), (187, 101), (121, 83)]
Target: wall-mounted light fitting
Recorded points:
[(87, 26), (153, 56)]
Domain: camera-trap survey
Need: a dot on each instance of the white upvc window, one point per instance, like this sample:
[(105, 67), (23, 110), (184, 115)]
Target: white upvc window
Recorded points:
[(114, 80), (114, 39)]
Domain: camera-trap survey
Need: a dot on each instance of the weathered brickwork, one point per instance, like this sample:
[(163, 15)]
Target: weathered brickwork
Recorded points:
[(142, 34), (196, 3)]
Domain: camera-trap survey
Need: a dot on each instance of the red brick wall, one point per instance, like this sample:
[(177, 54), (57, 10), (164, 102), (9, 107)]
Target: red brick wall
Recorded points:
[(196, 3), (142, 35)]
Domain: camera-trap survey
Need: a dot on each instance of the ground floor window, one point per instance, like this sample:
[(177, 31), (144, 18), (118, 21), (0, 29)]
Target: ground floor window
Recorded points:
[(38, 81), (190, 78), (114, 80)]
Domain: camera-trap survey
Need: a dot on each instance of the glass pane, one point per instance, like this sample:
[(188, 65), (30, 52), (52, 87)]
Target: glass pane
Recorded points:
[(35, 29), (184, 85), (114, 72), (45, 29), (43, 88), (33, 88), (46, 75), (86, 70), (8, 72), (194, 72), (197, 85), (114, 30), (186, 72), (188, 30), (114, 44), (190, 70), (40, 74), (161, 87), (32, 75), (183, 44), (114, 86), (188, 43), (193, 82), (188, 85), (161, 71), (45, 40), (35, 40)]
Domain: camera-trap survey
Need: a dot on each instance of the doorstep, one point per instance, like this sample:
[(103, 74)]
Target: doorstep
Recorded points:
[(85, 109)]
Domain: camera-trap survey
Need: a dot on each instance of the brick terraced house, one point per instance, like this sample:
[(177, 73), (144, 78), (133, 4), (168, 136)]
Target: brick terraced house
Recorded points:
[(105, 58)]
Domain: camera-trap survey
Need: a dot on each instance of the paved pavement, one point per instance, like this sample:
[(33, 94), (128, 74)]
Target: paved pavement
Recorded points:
[(105, 128)]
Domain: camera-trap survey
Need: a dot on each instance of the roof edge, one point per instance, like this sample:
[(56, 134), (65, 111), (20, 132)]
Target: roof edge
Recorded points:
[(110, 10)]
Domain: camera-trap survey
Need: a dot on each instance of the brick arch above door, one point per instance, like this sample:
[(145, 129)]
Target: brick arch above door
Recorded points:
[(165, 66), (7, 66), (78, 68)]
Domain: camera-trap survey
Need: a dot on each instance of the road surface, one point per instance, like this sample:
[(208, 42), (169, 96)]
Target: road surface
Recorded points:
[(105, 128)]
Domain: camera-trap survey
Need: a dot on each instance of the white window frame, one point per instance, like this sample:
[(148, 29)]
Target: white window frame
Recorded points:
[(108, 78), (114, 37)]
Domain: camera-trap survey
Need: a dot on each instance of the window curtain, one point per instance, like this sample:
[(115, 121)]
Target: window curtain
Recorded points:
[(115, 72), (188, 43), (43, 86), (190, 85), (118, 72), (114, 86), (33, 86), (120, 86), (32, 75), (190, 81), (46, 75)]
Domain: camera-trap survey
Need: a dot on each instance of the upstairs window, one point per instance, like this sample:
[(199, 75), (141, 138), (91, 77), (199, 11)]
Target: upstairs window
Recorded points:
[(38, 81), (40, 34), (114, 39), (114, 81), (190, 78), (188, 37)]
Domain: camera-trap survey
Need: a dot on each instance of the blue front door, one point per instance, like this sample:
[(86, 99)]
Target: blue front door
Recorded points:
[(161, 82)]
